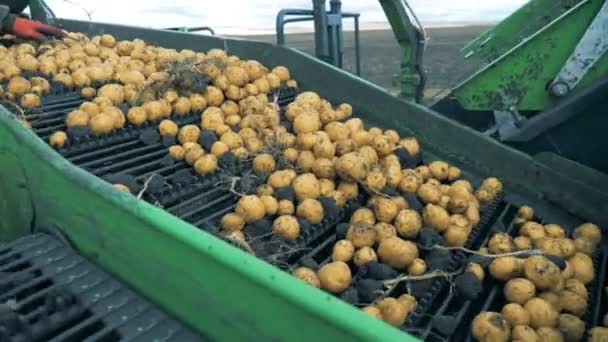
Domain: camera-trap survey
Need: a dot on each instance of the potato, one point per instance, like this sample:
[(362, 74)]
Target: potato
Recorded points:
[(306, 123), (188, 133), (264, 163), (335, 276), (281, 178), (382, 145), (18, 86), (213, 96), (491, 327), (393, 175), (168, 128), (456, 236), (492, 184), (369, 155), (77, 118), (364, 255), (411, 182), (519, 290), (101, 124), (589, 232), (571, 327), (533, 230), (552, 299), (232, 222), (271, 205), (568, 271), (363, 215), (306, 186), (549, 334), (307, 275), (88, 92), (500, 243), (385, 209), (408, 223), (542, 272), (349, 189), (118, 118), (558, 246), (351, 167), (393, 312), (418, 267), (136, 115), (554, 231), (58, 139), (372, 311), (476, 269), (29, 101), (343, 251), (311, 210), (576, 287), (397, 253), (439, 170), (522, 243), (584, 246), (435, 217), (219, 148), (361, 234), (598, 334), (515, 314), (583, 267), (113, 92), (429, 193), (375, 180), (177, 152), (122, 187), (286, 226), (91, 108), (542, 314), (193, 155), (573, 303), (505, 268), (251, 208), (203, 164), (523, 333)]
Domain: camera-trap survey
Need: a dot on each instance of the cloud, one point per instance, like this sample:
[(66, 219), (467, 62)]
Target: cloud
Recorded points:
[(258, 16)]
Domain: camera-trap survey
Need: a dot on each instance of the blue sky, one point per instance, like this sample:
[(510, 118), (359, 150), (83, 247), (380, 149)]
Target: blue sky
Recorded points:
[(257, 16)]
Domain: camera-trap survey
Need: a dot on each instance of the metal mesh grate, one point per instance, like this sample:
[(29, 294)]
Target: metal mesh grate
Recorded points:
[(50, 293)]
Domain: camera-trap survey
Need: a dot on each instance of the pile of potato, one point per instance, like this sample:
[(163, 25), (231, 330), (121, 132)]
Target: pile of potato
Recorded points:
[(311, 155), (128, 71), (545, 294)]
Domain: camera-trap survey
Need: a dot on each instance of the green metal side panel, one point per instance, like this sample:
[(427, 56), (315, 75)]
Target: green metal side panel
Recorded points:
[(521, 24), (519, 78), (219, 290)]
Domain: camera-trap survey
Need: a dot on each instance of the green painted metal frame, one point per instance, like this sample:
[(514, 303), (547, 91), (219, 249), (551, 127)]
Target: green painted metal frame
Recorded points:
[(519, 25), (412, 82), (216, 288), (518, 79)]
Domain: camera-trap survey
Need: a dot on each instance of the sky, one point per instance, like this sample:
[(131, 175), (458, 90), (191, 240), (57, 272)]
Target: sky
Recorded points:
[(258, 16)]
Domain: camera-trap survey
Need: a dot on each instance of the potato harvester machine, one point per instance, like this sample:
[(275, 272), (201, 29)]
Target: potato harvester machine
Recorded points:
[(164, 246)]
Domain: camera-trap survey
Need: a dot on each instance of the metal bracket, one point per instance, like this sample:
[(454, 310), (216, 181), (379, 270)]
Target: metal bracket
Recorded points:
[(589, 50), (508, 122)]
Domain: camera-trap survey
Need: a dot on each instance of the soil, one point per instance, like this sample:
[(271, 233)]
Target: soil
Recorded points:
[(443, 62)]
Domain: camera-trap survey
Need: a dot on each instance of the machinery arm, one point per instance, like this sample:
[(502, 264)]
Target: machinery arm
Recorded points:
[(411, 39)]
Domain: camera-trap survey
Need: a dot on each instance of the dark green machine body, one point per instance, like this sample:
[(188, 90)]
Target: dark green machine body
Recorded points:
[(216, 288), (511, 96)]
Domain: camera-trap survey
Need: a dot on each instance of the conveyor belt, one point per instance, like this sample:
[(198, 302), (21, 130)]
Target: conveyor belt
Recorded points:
[(133, 155), (50, 293)]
